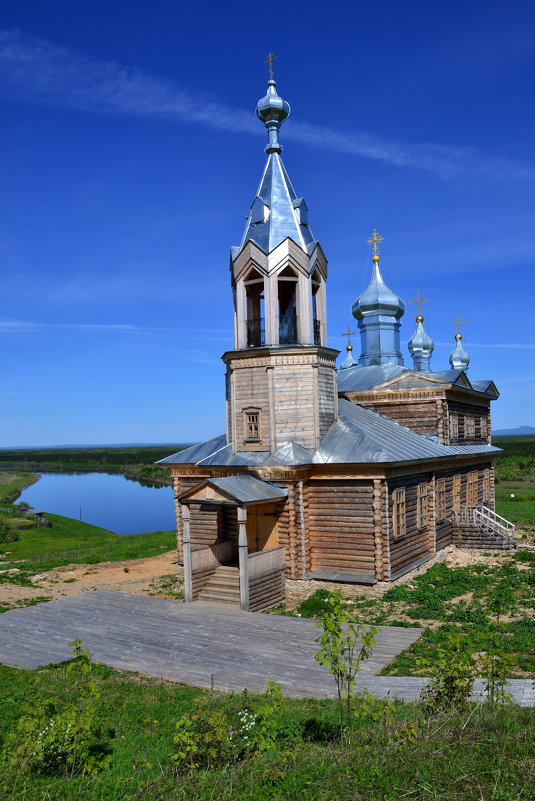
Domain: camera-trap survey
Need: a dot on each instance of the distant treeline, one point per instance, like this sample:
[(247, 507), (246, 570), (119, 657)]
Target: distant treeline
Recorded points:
[(517, 462), (136, 463)]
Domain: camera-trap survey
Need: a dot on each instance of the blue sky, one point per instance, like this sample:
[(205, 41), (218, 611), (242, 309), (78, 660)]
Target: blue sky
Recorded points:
[(130, 154)]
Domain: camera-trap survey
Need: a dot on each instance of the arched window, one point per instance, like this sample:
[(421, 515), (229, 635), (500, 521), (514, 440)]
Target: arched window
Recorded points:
[(254, 293), (287, 297), (316, 307)]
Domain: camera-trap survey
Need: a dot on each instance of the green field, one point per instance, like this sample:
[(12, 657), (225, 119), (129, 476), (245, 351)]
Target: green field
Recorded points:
[(12, 484), (515, 476), (396, 752)]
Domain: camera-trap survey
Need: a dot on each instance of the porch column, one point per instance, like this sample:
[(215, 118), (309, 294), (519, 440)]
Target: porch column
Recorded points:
[(243, 558), (186, 543)]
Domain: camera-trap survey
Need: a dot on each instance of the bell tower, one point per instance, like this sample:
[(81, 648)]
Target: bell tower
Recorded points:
[(281, 377)]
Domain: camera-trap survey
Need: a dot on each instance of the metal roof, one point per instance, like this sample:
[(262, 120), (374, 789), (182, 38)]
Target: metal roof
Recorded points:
[(247, 489), (196, 453), (356, 378), (359, 436), (290, 454), (276, 212)]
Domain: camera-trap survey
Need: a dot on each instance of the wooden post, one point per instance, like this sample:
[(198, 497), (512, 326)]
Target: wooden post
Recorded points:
[(186, 544), (243, 558)]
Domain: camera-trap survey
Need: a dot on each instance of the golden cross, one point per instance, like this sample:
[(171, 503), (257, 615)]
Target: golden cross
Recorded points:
[(271, 58), (457, 322), (419, 300), (374, 239), (349, 334)]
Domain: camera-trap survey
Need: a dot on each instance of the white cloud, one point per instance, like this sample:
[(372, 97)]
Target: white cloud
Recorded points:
[(36, 70)]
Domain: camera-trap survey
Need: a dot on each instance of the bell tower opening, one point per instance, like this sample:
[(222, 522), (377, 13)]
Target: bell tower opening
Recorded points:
[(254, 295), (287, 295), (316, 307)]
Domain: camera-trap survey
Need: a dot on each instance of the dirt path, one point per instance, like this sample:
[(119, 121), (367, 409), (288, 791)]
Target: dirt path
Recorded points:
[(153, 576)]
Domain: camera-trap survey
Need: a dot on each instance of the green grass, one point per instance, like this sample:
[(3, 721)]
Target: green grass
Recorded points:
[(521, 507), (12, 484), (69, 541), (396, 752), (434, 600)]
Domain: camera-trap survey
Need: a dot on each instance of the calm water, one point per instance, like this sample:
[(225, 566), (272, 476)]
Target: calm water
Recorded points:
[(108, 501)]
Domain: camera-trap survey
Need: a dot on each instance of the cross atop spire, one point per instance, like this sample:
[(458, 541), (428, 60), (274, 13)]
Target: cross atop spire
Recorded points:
[(373, 240), (419, 300), (269, 60), (349, 334), (457, 322)]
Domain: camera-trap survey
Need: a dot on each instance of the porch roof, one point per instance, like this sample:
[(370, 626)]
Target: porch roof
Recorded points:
[(242, 489)]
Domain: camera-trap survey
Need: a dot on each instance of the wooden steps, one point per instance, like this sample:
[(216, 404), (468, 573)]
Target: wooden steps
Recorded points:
[(223, 587), (477, 535)]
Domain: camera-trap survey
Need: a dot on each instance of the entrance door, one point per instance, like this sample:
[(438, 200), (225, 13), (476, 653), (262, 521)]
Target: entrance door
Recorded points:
[(262, 522)]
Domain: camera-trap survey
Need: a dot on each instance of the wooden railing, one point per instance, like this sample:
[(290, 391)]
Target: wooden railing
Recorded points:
[(488, 519), (211, 556), (263, 562)]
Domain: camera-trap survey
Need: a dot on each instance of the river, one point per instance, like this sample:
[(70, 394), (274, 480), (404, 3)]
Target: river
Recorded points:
[(106, 500)]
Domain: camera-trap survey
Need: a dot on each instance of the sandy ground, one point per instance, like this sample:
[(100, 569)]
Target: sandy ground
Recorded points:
[(135, 576), (159, 575)]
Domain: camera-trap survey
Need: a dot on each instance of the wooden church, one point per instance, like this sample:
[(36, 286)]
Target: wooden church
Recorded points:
[(357, 475)]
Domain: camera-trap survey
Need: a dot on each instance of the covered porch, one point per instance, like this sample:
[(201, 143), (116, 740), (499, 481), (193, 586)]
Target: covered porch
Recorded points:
[(230, 542)]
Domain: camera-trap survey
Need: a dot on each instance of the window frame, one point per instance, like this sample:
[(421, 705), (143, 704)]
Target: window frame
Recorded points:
[(441, 499), (472, 488), (422, 506), (249, 424), (454, 426), (399, 513), (456, 492), (469, 427)]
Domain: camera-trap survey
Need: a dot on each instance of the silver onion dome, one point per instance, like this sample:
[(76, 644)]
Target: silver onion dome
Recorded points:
[(421, 347), (272, 110), (459, 358), (378, 298)]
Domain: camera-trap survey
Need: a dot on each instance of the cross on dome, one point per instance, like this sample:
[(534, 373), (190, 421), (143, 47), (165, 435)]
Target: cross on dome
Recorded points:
[(269, 60), (419, 299), (373, 240)]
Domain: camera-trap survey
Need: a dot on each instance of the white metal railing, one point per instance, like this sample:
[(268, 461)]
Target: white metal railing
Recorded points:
[(268, 561), (211, 556), (487, 518)]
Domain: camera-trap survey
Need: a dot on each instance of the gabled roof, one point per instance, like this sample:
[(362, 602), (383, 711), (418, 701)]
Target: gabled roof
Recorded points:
[(487, 386), (360, 378), (241, 489)]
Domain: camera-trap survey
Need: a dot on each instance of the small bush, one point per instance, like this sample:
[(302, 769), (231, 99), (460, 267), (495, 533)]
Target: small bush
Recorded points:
[(451, 685), (8, 532), (317, 605)]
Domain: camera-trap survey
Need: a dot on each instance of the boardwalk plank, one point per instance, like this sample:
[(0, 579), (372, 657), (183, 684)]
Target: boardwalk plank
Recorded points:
[(198, 644)]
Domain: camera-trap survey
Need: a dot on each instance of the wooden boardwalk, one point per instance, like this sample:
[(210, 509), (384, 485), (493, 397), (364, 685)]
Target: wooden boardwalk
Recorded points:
[(197, 644)]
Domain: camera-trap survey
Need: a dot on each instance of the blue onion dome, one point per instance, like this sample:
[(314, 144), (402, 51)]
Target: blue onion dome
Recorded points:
[(459, 358), (272, 110), (420, 343), (378, 298)]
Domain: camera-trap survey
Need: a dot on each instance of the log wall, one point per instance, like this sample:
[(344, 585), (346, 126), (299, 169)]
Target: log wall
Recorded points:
[(340, 526), (416, 543), (420, 415)]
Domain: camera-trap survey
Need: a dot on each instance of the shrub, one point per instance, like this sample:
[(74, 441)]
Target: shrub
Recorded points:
[(8, 532), (451, 685), (55, 737)]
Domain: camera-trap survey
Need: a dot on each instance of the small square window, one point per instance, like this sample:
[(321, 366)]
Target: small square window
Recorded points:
[(252, 425)]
